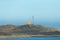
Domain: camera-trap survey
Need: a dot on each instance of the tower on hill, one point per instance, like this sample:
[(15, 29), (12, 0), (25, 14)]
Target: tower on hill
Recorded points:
[(32, 19), (29, 22)]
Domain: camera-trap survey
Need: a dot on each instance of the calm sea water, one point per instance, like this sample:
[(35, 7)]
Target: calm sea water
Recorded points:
[(55, 38)]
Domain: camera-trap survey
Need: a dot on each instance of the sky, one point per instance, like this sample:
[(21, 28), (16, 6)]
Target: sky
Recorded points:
[(45, 12)]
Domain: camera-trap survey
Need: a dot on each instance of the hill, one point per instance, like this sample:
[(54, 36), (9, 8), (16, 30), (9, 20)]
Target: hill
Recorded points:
[(28, 29)]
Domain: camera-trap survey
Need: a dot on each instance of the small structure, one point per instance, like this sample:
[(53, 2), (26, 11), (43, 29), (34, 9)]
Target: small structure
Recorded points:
[(29, 22)]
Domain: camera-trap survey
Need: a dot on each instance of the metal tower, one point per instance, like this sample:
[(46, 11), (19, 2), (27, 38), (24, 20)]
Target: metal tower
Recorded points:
[(32, 19)]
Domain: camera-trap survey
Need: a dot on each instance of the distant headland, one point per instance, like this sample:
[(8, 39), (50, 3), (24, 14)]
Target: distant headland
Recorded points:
[(28, 30)]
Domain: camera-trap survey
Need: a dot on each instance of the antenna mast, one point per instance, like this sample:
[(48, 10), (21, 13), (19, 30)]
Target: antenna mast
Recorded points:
[(33, 19)]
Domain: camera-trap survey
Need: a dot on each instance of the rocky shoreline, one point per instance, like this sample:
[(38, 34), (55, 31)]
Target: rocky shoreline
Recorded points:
[(23, 31), (28, 36)]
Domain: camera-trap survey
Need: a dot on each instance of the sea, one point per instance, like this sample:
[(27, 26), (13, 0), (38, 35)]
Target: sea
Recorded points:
[(47, 38)]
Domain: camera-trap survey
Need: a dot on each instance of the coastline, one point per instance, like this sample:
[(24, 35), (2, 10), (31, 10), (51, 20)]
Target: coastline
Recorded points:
[(28, 36)]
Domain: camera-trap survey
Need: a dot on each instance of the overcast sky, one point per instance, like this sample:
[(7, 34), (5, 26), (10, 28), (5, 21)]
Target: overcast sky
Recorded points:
[(46, 12)]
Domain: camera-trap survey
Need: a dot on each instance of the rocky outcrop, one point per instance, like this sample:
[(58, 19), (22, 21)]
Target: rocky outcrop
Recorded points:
[(27, 29)]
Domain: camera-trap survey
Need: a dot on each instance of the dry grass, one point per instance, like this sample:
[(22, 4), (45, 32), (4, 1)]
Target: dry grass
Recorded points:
[(16, 36)]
